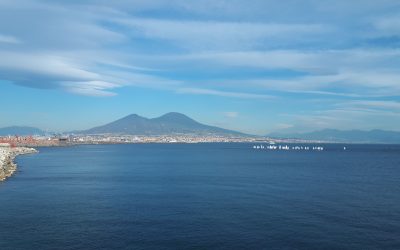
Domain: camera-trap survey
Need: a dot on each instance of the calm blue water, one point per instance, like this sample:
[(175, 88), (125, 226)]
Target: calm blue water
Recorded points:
[(202, 196)]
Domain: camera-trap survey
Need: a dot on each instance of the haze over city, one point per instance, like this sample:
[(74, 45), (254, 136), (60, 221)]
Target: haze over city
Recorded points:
[(256, 67)]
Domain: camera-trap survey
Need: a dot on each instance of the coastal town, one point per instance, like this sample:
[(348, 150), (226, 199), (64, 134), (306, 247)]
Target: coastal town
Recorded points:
[(71, 139), (54, 139)]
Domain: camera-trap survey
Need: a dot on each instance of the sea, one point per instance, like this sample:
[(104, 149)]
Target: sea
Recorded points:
[(203, 196)]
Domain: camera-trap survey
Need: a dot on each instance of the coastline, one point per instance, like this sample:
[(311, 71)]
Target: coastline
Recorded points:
[(7, 156)]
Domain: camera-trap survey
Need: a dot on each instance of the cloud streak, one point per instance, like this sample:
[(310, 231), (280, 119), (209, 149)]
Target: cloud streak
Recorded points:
[(231, 114), (202, 91), (9, 39), (220, 35)]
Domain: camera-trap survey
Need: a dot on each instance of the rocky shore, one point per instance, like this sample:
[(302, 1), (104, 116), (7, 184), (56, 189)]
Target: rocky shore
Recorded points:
[(7, 155)]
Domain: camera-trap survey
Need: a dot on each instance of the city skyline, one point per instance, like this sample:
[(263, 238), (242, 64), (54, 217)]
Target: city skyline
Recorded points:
[(254, 67)]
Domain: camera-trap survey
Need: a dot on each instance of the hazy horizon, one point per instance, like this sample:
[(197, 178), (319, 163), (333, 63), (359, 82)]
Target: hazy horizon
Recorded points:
[(280, 132), (256, 67)]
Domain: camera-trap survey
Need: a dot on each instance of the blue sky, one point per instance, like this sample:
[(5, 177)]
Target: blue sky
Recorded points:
[(256, 66)]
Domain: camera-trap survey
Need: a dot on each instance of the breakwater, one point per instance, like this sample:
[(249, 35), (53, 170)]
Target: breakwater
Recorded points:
[(7, 156)]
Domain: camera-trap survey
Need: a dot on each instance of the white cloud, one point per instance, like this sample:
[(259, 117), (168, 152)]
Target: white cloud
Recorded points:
[(388, 25), (349, 73), (221, 34), (374, 106), (284, 126), (314, 61), (231, 114), (66, 43), (90, 88), (202, 91), (9, 39)]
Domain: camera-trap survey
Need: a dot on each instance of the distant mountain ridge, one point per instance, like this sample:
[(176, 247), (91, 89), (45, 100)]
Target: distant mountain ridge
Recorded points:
[(170, 123), (20, 130), (334, 135)]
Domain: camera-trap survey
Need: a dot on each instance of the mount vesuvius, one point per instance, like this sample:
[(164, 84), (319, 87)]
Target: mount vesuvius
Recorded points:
[(170, 123)]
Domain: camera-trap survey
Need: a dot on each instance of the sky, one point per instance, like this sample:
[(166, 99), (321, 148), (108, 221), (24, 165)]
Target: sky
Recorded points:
[(257, 66)]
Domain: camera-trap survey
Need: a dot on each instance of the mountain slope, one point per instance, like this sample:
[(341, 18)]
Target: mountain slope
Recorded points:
[(170, 123), (20, 130), (333, 135)]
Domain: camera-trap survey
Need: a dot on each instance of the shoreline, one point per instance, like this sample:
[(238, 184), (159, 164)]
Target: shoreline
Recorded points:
[(7, 156)]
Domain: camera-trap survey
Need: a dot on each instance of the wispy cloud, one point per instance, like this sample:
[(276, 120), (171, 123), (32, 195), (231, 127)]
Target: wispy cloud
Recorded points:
[(348, 73), (374, 106), (9, 39), (220, 35), (388, 25), (231, 114), (91, 88), (201, 91)]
